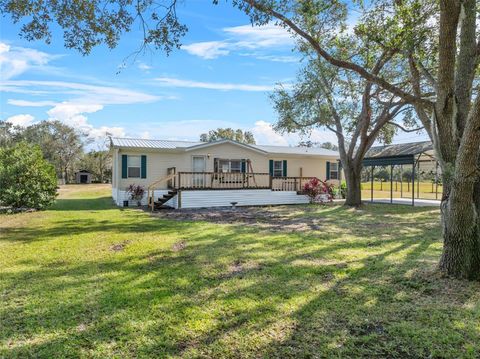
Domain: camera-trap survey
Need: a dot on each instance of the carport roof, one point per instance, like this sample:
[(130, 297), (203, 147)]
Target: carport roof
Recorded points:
[(402, 149), (399, 154)]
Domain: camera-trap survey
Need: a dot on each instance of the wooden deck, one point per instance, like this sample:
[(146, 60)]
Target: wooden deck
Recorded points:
[(218, 181)]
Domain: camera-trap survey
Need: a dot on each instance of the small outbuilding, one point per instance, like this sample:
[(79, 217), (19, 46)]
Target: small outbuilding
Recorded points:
[(83, 177)]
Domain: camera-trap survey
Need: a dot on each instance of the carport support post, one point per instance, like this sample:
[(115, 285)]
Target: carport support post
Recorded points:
[(401, 181), (418, 178), (413, 182), (371, 185), (391, 183)]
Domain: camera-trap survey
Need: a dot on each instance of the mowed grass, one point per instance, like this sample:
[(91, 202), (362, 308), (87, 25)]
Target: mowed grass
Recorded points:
[(86, 279), (401, 189)]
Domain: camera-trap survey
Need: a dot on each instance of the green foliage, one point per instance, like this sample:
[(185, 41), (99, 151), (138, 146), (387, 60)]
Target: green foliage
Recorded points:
[(8, 134), (228, 134), (343, 189), (61, 144), (87, 24), (26, 178), (326, 145), (99, 163), (382, 174)]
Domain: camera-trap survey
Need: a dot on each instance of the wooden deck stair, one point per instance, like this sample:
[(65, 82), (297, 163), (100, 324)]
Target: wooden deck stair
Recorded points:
[(160, 203)]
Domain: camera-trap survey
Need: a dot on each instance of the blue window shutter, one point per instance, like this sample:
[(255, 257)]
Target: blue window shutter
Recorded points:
[(124, 166), (143, 169), (271, 167), (328, 170), (284, 168), (244, 166)]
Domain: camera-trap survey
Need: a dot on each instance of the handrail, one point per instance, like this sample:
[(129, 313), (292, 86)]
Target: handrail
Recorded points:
[(152, 186), (225, 173)]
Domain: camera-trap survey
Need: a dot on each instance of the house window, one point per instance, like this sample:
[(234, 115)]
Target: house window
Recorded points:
[(334, 170), (277, 168), (133, 166), (227, 165)]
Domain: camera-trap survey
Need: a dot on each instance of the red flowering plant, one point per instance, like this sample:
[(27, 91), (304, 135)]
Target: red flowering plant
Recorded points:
[(318, 191), (136, 193)]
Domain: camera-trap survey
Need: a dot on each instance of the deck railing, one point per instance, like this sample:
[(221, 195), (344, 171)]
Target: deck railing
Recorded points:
[(223, 180), (227, 180), (289, 183)]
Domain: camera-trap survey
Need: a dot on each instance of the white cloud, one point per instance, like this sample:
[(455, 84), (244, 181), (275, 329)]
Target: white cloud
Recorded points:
[(15, 61), (144, 67), (208, 49), (264, 134), (244, 37), (81, 92), (22, 120), (188, 130), (279, 58), (254, 37), (173, 82), (67, 110), (83, 99), (73, 114), (26, 103)]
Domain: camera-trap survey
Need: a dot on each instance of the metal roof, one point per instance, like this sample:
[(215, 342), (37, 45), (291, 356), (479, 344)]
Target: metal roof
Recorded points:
[(184, 145), (297, 150), (153, 144), (403, 149)]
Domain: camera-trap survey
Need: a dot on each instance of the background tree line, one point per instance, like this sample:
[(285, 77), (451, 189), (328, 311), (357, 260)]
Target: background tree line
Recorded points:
[(64, 147)]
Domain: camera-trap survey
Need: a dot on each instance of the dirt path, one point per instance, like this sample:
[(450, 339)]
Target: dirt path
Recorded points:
[(277, 218)]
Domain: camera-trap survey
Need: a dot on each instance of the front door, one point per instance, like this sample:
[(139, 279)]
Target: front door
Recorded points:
[(199, 165)]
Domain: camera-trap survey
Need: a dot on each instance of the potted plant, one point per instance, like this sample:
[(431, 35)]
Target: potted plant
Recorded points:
[(136, 193)]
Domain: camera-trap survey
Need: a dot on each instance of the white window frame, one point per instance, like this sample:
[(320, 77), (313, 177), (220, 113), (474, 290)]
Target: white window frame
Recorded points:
[(334, 172), (228, 163), (275, 170), (129, 157)]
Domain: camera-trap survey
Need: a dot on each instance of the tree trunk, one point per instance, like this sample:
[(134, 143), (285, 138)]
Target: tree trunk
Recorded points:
[(354, 189), (461, 240)]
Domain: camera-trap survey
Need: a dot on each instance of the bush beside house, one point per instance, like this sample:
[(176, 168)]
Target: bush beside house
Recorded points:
[(27, 180)]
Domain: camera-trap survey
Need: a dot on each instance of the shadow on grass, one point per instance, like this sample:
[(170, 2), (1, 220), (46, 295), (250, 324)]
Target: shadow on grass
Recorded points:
[(236, 292), (76, 204)]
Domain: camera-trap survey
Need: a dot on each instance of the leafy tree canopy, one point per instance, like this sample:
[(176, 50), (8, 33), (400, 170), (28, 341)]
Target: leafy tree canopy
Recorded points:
[(326, 145), (228, 134)]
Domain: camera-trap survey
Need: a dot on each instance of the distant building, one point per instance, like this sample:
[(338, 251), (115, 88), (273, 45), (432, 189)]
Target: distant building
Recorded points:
[(83, 177)]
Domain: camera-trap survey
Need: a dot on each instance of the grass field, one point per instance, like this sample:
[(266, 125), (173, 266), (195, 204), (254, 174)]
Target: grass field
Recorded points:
[(404, 189), (85, 279)]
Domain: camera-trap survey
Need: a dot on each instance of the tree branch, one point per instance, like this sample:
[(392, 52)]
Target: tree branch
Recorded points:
[(405, 129), (409, 98)]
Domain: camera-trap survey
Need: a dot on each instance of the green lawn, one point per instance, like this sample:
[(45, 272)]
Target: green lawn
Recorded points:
[(423, 190), (86, 279)]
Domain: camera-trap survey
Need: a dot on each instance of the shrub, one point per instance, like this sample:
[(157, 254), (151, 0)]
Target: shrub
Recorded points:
[(318, 191), (343, 189), (136, 193), (27, 180)]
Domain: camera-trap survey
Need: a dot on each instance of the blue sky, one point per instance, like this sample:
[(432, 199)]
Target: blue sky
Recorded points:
[(221, 77)]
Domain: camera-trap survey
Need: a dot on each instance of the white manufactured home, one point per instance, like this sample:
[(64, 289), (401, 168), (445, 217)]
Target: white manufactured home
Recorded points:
[(183, 174)]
